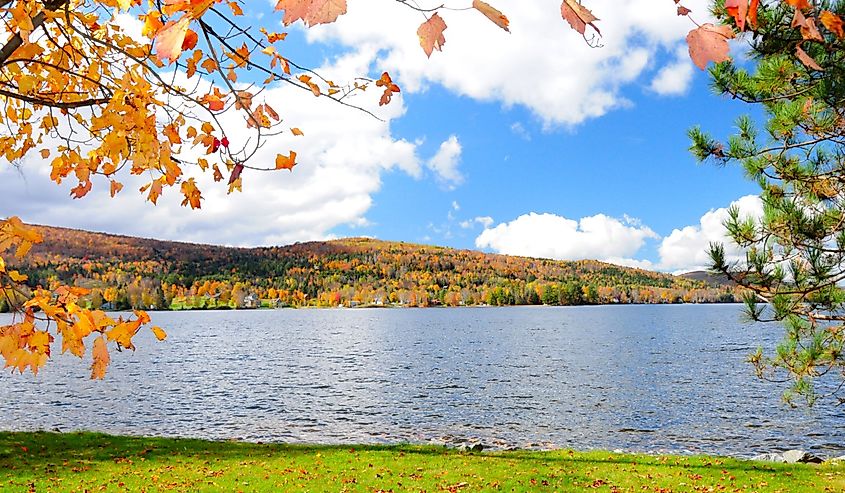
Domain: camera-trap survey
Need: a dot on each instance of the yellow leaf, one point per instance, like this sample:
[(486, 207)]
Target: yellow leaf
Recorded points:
[(17, 276), (159, 333)]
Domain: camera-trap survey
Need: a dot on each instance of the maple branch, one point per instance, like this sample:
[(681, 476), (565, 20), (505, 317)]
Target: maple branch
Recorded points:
[(16, 41), (55, 104)]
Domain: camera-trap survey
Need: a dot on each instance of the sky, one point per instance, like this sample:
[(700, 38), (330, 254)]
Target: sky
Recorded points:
[(525, 143)]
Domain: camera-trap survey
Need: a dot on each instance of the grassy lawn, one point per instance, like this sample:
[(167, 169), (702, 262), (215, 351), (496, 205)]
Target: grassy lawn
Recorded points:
[(45, 462)]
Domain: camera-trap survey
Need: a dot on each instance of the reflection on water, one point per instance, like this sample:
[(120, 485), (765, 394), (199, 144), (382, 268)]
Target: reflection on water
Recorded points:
[(641, 378)]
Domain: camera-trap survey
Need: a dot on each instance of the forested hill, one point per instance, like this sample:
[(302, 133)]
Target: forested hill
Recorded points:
[(124, 272)]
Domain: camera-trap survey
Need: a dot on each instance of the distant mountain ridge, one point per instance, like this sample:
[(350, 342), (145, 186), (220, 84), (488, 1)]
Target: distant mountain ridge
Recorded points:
[(124, 272)]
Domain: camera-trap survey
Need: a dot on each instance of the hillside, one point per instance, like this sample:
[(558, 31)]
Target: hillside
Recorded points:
[(126, 272)]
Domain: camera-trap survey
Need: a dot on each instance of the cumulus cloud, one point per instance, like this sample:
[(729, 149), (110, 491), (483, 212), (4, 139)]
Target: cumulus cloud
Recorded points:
[(674, 79), (445, 163), (686, 249), (551, 236), (342, 158), (484, 221), (542, 64)]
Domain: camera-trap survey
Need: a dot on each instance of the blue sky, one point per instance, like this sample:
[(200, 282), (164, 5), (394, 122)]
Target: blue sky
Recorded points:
[(527, 143)]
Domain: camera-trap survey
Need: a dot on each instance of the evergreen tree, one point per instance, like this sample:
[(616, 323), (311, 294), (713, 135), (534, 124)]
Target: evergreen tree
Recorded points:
[(793, 257)]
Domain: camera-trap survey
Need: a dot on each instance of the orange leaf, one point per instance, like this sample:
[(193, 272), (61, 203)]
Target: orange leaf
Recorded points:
[(431, 34), (752, 13), (81, 190), (45, 153), (833, 23), (492, 13), (286, 162), (577, 16), (190, 40), (296, 132), (169, 39), (799, 4), (100, 352), (115, 188), (709, 43)]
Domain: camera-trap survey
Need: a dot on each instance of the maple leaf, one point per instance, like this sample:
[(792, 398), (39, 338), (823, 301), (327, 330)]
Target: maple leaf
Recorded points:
[(115, 188), (738, 9), (81, 190), (297, 132), (294, 10), (709, 43), (431, 34), (492, 13), (578, 16), (311, 12), (325, 11), (833, 23), (192, 193), (286, 162), (682, 11), (100, 354), (170, 39)]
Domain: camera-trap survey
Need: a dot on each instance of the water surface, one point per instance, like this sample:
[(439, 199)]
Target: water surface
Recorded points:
[(640, 378)]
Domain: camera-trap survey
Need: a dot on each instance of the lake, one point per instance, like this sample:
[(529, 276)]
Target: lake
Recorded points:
[(639, 378)]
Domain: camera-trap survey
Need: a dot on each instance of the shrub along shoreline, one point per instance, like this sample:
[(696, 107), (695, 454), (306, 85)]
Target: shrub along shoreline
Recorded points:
[(41, 461)]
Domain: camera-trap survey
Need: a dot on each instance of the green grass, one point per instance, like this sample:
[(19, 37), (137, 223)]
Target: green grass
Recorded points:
[(47, 462)]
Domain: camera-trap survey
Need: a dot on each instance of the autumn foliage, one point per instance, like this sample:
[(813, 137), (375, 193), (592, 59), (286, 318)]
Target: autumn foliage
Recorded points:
[(97, 104)]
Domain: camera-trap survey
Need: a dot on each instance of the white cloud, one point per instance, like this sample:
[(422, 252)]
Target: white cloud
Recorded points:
[(484, 221), (542, 64), (686, 249), (674, 79), (550, 236), (445, 162), (342, 158)]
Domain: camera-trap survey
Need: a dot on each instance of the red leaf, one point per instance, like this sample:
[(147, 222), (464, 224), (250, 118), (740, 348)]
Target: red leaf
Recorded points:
[(709, 43), (236, 173), (225, 142), (738, 9)]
